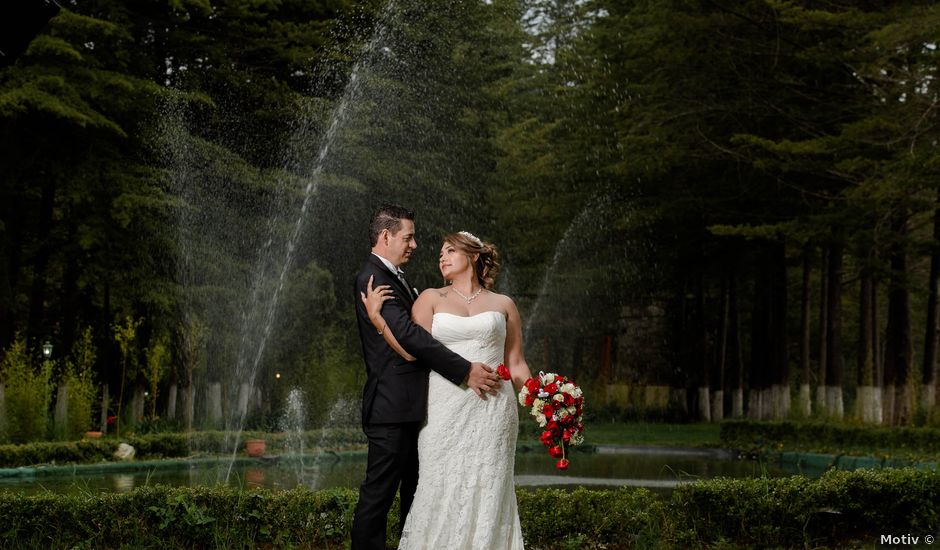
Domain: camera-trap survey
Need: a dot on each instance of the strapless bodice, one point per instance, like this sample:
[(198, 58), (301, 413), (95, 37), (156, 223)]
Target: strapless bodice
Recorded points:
[(479, 337)]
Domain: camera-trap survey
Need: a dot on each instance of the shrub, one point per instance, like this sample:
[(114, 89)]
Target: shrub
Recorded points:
[(27, 394), (169, 445), (757, 436), (78, 378), (162, 517), (840, 509), (555, 518)]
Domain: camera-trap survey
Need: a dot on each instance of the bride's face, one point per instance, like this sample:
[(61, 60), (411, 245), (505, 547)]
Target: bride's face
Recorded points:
[(453, 262)]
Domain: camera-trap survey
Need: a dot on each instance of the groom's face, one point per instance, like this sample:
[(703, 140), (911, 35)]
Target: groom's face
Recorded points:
[(402, 243)]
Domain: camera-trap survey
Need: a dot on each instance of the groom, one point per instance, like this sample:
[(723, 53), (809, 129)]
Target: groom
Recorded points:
[(394, 400)]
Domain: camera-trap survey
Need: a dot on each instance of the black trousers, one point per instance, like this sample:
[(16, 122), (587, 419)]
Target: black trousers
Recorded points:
[(393, 463)]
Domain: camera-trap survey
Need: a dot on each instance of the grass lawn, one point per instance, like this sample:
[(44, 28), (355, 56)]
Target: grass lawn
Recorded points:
[(650, 433)]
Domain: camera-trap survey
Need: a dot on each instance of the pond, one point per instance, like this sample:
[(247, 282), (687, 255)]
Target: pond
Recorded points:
[(656, 468)]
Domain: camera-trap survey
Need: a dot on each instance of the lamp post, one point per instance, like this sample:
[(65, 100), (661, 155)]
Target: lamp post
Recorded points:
[(47, 350)]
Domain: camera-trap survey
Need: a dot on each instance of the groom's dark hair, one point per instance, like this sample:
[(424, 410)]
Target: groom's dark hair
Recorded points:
[(388, 216)]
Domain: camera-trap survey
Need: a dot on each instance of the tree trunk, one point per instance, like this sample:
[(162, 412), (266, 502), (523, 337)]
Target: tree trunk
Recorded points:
[(138, 403), (171, 401), (37, 300), (70, 297), (877, 363), (899, 360), (104, 408), (10, 272), (805, 403), (60, 414), (701, 354), (760, 402), (823, 331), (214, 405), (834, 362), (780, 388), (718, 376), (865, 400), (736, 351), (932, 336), (189, 405)]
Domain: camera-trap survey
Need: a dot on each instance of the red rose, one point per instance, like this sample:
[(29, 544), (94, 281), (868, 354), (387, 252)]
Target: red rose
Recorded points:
[(568, 400), (548, 410), (556, 451), (529, 399), (502, 371), (551, 388), (532, 385), (552, 426), (566, 435), (562, 464)]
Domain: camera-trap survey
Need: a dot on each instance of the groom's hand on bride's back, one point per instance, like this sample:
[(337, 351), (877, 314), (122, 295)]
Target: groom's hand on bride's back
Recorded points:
[(482, 379)]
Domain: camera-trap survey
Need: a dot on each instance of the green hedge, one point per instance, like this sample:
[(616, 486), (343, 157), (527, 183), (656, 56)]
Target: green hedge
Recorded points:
[(841, 508), (754, 436), (166, 445)]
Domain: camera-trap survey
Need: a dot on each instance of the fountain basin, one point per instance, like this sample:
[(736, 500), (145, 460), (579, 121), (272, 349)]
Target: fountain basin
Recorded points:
[(658, 468)]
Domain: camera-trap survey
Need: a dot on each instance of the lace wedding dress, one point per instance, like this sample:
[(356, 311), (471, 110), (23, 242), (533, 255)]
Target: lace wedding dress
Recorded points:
[(465, 497)]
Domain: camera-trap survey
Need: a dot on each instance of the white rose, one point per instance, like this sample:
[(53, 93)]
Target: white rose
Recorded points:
[(548, 378), (577, 439), (572, 410), (576, 393), (561, 413), (567, 388), (540, 418), (522, 398), (558, 397), (537, 405)]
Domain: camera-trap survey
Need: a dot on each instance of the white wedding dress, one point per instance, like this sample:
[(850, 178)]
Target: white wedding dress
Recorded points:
[(465, 497)]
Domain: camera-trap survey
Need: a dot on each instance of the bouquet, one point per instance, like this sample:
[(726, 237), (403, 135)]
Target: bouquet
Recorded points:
[(556, 403)]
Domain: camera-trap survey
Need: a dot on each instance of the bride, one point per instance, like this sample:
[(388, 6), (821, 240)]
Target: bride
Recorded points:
[(465, 496)]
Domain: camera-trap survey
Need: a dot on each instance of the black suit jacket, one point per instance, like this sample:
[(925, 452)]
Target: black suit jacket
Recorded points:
[(397, 390)]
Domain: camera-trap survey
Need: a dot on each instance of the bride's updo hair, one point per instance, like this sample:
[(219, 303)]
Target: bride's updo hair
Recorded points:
[(486, 266)]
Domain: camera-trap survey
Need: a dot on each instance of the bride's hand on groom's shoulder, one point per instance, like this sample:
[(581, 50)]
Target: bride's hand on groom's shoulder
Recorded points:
[(482, 379), (373, 298)]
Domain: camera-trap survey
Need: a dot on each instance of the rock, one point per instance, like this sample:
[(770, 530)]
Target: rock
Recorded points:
[(124, 452)]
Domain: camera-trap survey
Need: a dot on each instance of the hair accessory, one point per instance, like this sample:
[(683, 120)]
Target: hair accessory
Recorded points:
[(476, 240)]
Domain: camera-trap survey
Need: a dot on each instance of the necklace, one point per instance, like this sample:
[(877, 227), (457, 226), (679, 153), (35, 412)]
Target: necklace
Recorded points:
[(470, 298)]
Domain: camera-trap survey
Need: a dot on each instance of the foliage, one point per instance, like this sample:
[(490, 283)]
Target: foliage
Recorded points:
[(157, 156), (840, 508), (78, 378), (27, 393), (125, 334), (157, 358), (171, 445), (753, 436)]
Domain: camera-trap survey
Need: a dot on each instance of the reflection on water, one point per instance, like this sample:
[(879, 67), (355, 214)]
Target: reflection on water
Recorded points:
[(658, 469), (123, 482), (254, 478)]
